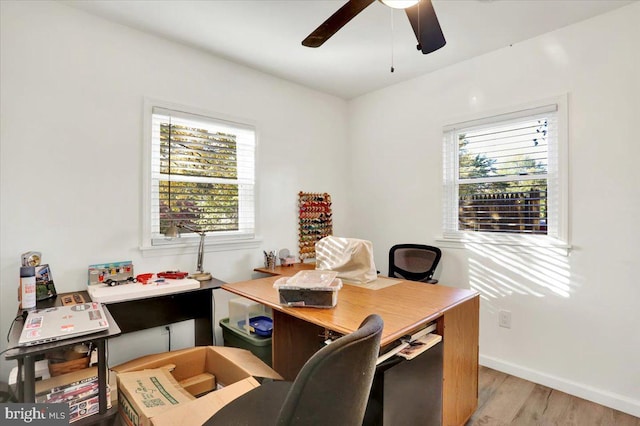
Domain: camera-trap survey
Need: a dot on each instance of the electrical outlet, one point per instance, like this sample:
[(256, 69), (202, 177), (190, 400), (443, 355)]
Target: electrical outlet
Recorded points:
[(504, 318), (165, 330)]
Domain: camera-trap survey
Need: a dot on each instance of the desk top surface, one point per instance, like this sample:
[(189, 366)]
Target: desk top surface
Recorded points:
[(404, 306)]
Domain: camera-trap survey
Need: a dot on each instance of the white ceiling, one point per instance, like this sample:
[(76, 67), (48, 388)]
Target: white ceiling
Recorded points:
[(266, 34)]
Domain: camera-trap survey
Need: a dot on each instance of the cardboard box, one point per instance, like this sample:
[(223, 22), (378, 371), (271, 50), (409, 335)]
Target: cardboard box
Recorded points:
[(198, 411), (150, 391)]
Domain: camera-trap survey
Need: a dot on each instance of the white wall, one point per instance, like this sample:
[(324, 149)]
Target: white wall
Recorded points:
[(575, 317), (72, 88), (71, 143)]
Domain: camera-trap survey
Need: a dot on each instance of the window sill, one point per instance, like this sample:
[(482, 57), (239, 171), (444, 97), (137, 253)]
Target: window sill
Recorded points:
[(190, 245), (516, 243)]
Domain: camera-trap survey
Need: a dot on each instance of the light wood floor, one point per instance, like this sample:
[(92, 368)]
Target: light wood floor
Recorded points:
[(508, 400)]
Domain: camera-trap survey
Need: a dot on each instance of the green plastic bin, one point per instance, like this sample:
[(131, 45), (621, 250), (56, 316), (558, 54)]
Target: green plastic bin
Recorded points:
[(258, 345)]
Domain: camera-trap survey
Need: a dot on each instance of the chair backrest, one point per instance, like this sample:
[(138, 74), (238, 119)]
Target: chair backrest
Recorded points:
[(333, 386), (414, 262)]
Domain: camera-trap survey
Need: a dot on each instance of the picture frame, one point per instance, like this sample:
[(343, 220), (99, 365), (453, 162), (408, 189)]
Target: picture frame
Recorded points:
[(45, 288)]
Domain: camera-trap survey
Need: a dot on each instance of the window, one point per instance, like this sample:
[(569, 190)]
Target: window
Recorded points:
[(201, 173), (503, 177)]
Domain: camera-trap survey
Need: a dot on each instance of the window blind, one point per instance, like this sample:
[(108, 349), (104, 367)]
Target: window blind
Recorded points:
[(202, 174), (501, 174)]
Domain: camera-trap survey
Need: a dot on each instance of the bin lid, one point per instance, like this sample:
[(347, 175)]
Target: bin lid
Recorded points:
[(310, 280), (261, 325)]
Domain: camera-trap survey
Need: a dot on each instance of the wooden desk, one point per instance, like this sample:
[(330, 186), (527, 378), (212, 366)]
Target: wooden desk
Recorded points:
[(404, 307), (287, 270)]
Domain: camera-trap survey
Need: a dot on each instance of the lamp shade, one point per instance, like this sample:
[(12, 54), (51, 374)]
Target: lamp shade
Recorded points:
[(400, 4)]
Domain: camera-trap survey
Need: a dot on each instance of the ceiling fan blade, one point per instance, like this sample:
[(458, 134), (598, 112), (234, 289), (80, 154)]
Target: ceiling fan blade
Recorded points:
[(426, 26), (335, 22)]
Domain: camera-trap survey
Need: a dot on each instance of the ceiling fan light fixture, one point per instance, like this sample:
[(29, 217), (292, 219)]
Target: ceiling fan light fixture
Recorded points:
[(421, 14), (400, 4)]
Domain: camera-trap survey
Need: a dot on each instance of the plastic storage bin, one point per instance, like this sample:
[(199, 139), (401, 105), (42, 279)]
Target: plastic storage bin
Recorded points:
[(316, 289), (241, 311), (235, 338)]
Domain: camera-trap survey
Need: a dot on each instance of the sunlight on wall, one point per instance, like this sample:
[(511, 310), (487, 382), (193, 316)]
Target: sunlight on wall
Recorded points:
[(497, 271), (556, 53)]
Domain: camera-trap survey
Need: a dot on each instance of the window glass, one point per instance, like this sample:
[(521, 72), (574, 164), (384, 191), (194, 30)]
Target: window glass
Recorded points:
[(502, 176), (202, 175), (502, 171)]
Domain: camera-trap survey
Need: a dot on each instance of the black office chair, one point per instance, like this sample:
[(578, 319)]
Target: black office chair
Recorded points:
[(414, 262), (332, 388)]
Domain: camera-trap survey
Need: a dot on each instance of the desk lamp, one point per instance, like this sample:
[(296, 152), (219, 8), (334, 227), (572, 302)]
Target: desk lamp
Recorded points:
[(174, 231)]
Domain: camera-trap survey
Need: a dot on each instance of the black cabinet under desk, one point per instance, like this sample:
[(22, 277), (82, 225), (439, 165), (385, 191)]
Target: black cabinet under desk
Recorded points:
[(156, 311), (407, 392)]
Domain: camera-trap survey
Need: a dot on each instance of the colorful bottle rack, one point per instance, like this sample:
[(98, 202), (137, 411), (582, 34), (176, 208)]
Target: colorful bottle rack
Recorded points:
[(314, 221)]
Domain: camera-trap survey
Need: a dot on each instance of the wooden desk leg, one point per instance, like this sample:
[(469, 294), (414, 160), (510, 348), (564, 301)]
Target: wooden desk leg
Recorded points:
[(102, 377), (29, 383), (294, 341), (460, 362)]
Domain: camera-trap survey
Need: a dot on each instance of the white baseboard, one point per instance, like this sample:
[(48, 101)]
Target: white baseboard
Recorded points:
[(608, 399)]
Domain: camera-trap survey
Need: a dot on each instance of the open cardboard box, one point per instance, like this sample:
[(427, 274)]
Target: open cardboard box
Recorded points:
[(161, 389)]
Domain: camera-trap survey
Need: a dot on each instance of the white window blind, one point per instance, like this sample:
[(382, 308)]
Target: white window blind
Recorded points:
[(502, 176), (202, 174)]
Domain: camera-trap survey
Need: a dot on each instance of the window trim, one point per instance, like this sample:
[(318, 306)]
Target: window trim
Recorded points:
[(187, 243), (459, 239)]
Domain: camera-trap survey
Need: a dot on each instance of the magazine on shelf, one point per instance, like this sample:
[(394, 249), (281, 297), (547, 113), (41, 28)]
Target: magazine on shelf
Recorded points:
[(65, 381)]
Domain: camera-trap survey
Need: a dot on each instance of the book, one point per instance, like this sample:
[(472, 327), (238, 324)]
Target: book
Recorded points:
[(66, 386), (74, 378), (71, 393), (86, 406)]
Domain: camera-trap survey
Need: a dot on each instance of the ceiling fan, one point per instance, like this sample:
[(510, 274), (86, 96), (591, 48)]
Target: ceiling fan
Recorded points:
[(420, 13)]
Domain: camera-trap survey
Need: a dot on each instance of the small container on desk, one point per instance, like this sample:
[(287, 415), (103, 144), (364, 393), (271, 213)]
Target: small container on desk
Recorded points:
[(313, 288)]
